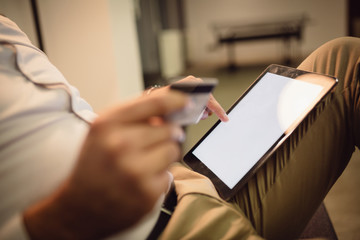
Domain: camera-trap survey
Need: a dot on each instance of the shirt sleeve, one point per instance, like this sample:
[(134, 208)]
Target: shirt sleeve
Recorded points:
[(14, 229)]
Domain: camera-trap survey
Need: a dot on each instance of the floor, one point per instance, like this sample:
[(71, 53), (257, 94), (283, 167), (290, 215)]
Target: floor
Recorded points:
[(343, 200)]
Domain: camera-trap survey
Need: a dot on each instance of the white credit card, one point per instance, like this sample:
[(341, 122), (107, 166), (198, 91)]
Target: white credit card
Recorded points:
[(199, 94)]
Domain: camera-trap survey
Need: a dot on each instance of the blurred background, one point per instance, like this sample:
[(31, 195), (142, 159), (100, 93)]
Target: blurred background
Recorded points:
[(111, 50)]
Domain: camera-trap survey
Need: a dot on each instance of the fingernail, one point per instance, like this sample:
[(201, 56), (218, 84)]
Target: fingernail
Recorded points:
[(189, 105), (205, 115), (225, 117), (178, 134), (171, 182)]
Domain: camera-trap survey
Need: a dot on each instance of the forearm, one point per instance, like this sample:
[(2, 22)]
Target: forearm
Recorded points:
[(49, 219), (60, 217)]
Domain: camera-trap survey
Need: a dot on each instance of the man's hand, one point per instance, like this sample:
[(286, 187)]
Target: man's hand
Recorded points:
[(120, 175), (212, 107)]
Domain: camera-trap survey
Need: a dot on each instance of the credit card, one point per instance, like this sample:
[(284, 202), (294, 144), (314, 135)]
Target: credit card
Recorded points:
[(199, 94)]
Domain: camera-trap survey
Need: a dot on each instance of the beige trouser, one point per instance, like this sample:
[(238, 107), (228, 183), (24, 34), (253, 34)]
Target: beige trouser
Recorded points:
[(280, 199)]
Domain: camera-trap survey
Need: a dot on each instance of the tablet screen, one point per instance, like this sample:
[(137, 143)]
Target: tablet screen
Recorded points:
[(259, 121), (256, 122)]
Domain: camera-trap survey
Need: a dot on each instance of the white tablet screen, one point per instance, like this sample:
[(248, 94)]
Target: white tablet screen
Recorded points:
[(255, 124)]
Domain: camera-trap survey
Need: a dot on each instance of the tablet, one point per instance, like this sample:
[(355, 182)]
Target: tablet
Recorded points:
[(259, 122)]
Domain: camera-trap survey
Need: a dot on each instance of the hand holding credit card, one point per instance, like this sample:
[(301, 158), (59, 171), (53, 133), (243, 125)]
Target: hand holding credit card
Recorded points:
[(199, 94)]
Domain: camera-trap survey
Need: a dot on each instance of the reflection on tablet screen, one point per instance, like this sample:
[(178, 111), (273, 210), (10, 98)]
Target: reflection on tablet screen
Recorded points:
[(256, 122)]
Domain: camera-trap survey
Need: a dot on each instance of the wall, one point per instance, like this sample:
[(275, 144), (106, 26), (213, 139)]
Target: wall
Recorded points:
[(327, 21), (94, 44), (20, 12)]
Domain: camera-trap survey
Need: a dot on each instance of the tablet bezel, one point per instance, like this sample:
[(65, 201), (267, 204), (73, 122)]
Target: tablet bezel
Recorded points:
[(327, 82)]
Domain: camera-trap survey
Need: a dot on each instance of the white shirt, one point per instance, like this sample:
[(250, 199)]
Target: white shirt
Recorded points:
[(43, 122)]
